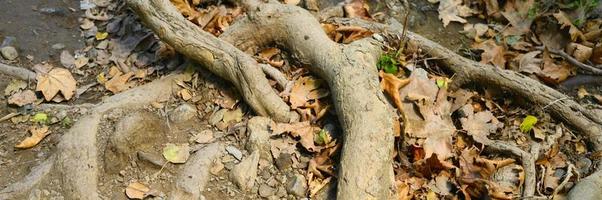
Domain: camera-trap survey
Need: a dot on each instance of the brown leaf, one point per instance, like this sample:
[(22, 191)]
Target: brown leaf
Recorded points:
[(453, 10), (136, 190), (564, 21), (119, 82), (292, 2), (303, 130), (185, 94), (517, 13), (57, 79), (37, 134), (186, 8), (357, 9), (553, 73), (492, 53), (479, 125), (22, 98), (427, 115), (529, 64), (390, 84), (306, 89)]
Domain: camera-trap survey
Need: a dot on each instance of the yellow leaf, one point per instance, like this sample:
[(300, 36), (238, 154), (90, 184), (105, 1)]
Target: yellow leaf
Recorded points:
[(101, 35), (101, 78), (185, 94), (58, 79), (391, 85), (176, 153), (136, 190), (37, 134)]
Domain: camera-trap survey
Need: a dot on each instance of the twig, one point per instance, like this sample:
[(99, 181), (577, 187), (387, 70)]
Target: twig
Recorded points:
[(527, 159), (555, 101), (17, 72), (569, 174), (597, 70), (10, 115)]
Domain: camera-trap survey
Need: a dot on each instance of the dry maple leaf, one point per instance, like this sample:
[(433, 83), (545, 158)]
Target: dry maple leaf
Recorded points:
[(390, 84), (267, 54), (37, 134), (57, 79), (492, 53), (564, 21), (119, 82), (479, 125), (303, 130), (305, 89)]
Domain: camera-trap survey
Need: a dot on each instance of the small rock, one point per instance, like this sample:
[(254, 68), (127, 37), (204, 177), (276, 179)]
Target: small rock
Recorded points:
[(235, 152), (297, 186), (245, 172), (217, 167), (284, 161), (9, 52), (58, 46), (583, 165), (183, 113), (266, 191), (217, 117), (203, 137), (281, 192)]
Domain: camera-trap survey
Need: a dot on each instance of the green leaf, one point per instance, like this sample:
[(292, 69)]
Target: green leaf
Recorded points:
[(322, 137), (41, 118), (528, 123), (67, 122), (441, 83), (176, 153), (387, 63)]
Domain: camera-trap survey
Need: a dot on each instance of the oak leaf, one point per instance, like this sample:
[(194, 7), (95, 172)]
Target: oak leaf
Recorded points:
[(37, 134), (564, 21), (57, 79), (452, 10)]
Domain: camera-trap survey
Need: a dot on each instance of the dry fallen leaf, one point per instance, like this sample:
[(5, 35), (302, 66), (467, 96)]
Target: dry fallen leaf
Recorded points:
[(67, 60), (37, 134), (22, 98), (306, 89), (529, 64), (304, 130), (451, 10), (185, 94), (233, 115), (136, 190), (267, 54), (427, 115), (357, 9), (564, 21), (58, 79), (553, 73), (14, 86), (390, 84), (479, 125), (119, 82), (492, 53), (176, 153), (292, 2)]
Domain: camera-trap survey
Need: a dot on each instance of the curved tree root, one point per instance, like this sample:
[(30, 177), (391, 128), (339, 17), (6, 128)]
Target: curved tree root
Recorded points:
[(365, 115), (77, 154)]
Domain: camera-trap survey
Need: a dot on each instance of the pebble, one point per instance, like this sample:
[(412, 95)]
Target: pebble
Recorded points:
[(297, 186), (58, 46), (9, 52), (183, 113), (284, 161), (217, 117), (232, 150), (266, 191), (245, 173)]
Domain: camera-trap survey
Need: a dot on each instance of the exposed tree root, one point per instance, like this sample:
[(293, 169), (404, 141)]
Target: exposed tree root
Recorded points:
[(528, 162), (17, 72), (195, 174), (365, 115)]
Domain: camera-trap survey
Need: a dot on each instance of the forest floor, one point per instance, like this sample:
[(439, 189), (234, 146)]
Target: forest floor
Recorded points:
[(107, 51)]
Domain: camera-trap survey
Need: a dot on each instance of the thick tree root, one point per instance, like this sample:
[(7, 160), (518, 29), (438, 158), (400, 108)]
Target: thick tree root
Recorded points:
[(365, 115)]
